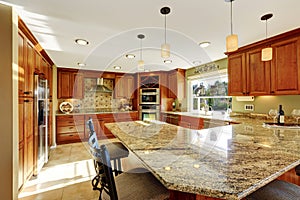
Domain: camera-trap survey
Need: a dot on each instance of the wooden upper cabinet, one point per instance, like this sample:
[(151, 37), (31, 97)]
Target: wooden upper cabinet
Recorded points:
[(237, 75), (21, 63), (63, 84), (285, 71), (26, 62), (124, 86), (29, 69), (50, 79), (176, 84), (248, 75), (76, 84), (258, 74), (69, 84)]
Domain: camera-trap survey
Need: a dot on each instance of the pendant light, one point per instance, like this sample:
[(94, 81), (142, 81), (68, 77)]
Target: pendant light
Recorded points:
[(266, 53), (141, 61), (165, 48), (232, 39)]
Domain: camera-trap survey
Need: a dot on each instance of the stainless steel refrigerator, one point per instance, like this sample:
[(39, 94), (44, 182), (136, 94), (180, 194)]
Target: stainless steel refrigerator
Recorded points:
[(41, 114)]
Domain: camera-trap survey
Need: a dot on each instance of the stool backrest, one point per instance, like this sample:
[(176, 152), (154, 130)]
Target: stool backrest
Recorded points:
[(93, 141), (101, 157)]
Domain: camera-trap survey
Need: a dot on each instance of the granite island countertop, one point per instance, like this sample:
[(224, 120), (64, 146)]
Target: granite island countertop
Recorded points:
[(226, 162)]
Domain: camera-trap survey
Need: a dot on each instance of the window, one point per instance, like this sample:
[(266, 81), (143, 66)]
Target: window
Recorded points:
[(212, 90)]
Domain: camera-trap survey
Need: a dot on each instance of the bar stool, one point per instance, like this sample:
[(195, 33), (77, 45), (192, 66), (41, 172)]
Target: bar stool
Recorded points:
[(276, 190), (130, 185), (117, 152)]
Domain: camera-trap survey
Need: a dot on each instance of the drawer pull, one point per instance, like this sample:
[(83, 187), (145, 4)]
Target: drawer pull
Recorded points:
[(26, 101)]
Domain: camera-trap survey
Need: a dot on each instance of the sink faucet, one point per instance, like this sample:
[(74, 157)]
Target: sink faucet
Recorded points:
[(207, 108)]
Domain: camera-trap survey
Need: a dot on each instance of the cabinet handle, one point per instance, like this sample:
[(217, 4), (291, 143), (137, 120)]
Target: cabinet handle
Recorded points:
[(26, 101), (71, 128), (272, 92), (28, 92)]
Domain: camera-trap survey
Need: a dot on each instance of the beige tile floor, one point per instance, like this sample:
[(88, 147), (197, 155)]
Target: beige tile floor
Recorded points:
[(68, 175)]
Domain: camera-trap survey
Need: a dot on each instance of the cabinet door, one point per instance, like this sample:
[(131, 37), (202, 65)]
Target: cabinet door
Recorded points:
[(172, 85), (119, 87), (285, 69), (258, 74), (76, 85), (29, 69), (21, 64), (237, 75), (28, 136), (21, 142), (129, 83), (124, 86), (63, 85), (50, 78)]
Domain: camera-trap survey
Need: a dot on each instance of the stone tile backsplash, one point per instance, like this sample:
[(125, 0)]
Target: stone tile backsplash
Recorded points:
[(94, 99)]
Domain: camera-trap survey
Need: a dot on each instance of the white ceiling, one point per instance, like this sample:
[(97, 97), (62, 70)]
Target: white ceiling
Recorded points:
[(112, 27)]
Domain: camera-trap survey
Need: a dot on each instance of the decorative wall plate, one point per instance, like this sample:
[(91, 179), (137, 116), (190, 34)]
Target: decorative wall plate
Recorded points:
[(66, 107)]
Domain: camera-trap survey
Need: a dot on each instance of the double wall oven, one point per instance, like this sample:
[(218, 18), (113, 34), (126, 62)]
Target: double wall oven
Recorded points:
[(149, 104)]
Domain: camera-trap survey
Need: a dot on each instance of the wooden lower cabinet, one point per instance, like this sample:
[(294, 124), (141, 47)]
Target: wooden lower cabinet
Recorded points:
[(73, 128), (192, 122), (69, 128), (26, 132)]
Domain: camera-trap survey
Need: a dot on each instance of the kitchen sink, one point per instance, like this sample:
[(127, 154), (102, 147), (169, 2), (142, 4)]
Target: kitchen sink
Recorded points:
[(285, 125)]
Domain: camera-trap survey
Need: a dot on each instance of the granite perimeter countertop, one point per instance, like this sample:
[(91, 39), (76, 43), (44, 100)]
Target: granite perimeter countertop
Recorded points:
[(227, 162), (94, 112)]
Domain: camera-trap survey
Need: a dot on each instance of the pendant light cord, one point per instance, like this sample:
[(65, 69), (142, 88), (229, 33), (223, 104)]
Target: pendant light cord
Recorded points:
[(231, 24), (165, 29), (141, 55), (266, 29)]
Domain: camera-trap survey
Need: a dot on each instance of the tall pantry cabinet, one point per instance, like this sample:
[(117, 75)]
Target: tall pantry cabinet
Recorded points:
[(29, 62)]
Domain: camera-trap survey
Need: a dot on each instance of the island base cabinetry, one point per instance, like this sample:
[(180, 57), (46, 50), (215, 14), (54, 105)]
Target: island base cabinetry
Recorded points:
[(73, 128)]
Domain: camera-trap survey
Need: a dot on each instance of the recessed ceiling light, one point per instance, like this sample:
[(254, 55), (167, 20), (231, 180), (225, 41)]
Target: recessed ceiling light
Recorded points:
[(117, 67), (204, 44), (81, 64), (130, 56), (167, 61), (81, 42)]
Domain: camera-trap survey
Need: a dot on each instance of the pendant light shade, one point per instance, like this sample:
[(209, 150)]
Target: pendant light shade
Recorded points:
[(141, 62), (232, 39), (231, 42), (165, 48), (266, 53)]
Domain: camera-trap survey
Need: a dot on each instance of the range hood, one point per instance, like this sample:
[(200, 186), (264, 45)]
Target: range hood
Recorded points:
[(100, 87)]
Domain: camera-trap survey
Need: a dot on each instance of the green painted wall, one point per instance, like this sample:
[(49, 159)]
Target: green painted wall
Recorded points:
[(262, 104), (222, 64)]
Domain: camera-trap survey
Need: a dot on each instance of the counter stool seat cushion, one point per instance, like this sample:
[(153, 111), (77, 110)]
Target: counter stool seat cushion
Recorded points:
[(136, 185), (276, 190), (117, 150)]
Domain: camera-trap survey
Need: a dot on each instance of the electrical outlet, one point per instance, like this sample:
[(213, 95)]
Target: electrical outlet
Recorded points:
[(249, 107)]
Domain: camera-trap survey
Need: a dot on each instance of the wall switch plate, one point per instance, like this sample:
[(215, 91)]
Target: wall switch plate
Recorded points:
[(249, 107)]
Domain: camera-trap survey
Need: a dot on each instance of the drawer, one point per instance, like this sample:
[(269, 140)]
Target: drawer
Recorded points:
[(70, 129), (69, 137), (69, 122)]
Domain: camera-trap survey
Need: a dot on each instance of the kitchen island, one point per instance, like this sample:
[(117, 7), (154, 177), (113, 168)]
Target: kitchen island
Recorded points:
[(227, 162)]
